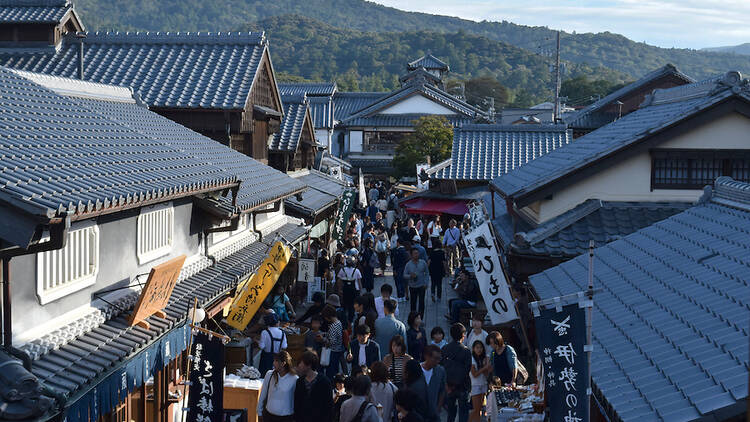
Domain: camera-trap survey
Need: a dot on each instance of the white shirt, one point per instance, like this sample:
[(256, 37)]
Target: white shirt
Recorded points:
[(472, 337), (427, 374), (379, 307), (362, 355), (267, 345), (351, 273), (280, 394)]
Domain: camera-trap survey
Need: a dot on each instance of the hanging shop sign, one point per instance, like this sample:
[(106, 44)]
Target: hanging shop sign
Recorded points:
[(305, 270), (342, 218), (481, 247), (155, 295), (254, 291), (206, 398), (561, 342)]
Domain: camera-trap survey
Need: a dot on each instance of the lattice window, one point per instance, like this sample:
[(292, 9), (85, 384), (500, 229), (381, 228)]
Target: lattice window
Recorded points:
[(693, 169), (155, 232), (70, 269)]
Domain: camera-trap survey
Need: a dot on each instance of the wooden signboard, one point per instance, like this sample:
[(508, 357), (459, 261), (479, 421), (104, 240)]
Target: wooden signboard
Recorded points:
[(155, 295), (255, 290)]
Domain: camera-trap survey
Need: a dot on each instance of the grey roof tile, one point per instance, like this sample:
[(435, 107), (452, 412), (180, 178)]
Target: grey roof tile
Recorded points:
[(60, 154), (311, 89), (485, 151), (321, 111), (347, 103), (401, 120), (35, 11), (323, 192), (292, 124), (665, 108), (428, 61), (659, 328), (175, 70)]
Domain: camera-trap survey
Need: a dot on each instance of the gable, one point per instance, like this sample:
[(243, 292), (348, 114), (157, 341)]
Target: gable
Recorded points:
[(417, 104), (264, 91)]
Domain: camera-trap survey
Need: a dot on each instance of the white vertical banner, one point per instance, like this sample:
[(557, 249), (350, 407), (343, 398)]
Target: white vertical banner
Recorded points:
[(362, 191), (481, 247), (422, 185)]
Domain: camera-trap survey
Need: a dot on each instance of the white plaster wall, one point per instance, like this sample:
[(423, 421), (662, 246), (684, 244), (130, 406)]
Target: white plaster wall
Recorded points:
[(355, 141), (417, 104), (630, 180)]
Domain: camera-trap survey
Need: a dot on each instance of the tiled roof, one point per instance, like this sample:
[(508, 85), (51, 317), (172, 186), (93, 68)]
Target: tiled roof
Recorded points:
[(661, 110), (401, 120), (485, 151), (568, 234), (292, 124), (347, 103), (60, 154), (418, 86), (670, 323), (260, 184), (428, 61), (313, 89), (36, 11), (323, 191), (420, 72), (175, 70), (588, 116), (321, 110)]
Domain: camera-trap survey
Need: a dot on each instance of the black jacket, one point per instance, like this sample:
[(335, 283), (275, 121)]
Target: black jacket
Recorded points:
[(457, 364), (372, 354), (316, 406)]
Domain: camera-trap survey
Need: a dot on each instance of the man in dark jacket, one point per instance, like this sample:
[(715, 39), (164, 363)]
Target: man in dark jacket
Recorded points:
[(363, 351), (457, 364), (468, 293), (400, 258), (313, 401)]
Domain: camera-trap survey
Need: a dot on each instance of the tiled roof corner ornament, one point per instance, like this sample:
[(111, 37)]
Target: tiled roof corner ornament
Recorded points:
[(708, 192), (731, 80), (21, 395)]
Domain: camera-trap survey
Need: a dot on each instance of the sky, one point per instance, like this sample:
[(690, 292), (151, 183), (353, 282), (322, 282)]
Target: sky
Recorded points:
[(664, 23)]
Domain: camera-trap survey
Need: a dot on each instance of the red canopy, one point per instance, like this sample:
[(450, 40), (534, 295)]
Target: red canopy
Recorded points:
[(435, 206)]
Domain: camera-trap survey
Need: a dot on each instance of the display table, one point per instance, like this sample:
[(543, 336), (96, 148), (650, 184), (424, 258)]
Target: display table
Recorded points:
[(514, 405), (241, 393)]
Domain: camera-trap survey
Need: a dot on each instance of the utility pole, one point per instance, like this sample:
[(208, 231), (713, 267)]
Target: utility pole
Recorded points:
[(557, 80)]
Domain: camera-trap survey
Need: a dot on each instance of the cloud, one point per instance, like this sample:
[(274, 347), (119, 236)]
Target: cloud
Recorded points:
[(665, 23)]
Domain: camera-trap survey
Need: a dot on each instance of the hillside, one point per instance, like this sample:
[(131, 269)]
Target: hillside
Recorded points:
[(374, 61), (734, 49), (602, 49)]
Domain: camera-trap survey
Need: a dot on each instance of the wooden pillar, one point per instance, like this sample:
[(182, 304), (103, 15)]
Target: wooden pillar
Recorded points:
[(156, 408)]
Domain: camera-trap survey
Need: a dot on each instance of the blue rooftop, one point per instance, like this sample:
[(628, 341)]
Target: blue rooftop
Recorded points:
[(175, 70), (311, 89), (34, 11), (292, 124), (485, 151), (428, 61), (670, 324), (347, 103), (661, 110)]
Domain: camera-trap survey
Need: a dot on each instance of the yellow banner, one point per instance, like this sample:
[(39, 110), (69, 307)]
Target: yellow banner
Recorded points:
[(253, 292)]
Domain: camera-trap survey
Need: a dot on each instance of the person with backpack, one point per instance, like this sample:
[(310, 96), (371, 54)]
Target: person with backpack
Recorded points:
[(382, 246), (272, 341), (368, 264), (349, 281), (358, 408), (457, 364), (383, 391)]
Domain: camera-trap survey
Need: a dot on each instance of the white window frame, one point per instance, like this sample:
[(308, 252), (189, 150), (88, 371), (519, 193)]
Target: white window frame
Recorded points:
[(167, 238), (50, 258)]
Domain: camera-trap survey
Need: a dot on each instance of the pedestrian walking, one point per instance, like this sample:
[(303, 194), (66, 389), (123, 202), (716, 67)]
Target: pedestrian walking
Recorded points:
[(334, 339), (451, 241), (313, 401), (398, 262), (457, 364), (349, 280), (362, 350), (276, 401), (480, 369), (368, 263), (437, 263), (416, 337), (358, 407), (396, 360), (384, 391), (387, 327), (272, 341), (416, 273)]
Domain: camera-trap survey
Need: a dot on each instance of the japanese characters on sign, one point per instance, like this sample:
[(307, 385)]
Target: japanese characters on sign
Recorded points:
[(481, 247), (305, 270), (561, 337), (206, 398), (253, 292), (342, 218), (158, 289)]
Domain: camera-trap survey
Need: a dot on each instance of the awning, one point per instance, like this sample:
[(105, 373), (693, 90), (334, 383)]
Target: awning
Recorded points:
[(435, 206)]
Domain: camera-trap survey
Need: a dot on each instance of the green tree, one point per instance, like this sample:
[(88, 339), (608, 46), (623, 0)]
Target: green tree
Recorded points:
[(432, 137), (479, 89), (580, 90)]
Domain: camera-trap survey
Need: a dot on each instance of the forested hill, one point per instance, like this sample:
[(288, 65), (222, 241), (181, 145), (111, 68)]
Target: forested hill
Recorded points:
[(602, 49), (374, 61)]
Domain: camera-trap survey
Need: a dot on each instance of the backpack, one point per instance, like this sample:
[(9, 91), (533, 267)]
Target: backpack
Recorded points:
[(361, 412), (455, 371)]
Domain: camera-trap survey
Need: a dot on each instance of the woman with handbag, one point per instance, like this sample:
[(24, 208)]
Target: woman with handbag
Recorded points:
[(332, 353), (396, 360), (276, 401)]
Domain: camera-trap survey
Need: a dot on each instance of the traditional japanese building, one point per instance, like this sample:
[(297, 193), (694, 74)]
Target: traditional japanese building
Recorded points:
[(624, 176), (294, 146), (670, 320), (95, 191), (320, 101), (624, 100), (221, 85)]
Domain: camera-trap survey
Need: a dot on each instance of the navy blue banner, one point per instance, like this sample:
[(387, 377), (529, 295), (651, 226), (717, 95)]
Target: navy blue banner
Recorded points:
[(112, 390), (206, 397), (561, 337)]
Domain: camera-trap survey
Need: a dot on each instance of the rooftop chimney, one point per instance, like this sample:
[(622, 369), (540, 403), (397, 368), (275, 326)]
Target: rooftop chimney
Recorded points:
[(81, 36)]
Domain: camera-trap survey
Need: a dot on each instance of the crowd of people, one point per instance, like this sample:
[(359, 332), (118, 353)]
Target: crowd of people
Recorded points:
[(361, 362)]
